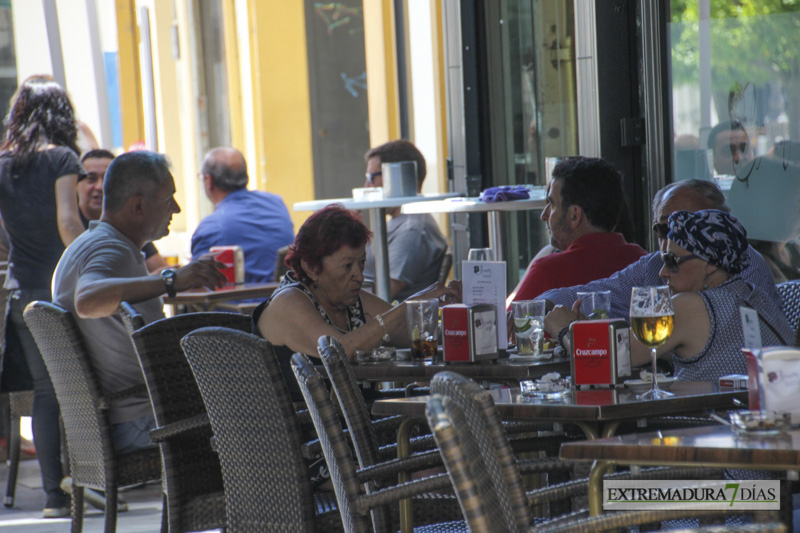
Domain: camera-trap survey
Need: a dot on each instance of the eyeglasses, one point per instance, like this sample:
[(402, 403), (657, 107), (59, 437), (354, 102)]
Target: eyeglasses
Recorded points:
[(371, 176), (673, 262), (661, 230)]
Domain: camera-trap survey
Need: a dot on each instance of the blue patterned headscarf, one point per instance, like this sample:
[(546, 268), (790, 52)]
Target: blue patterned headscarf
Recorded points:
[(714, 236)]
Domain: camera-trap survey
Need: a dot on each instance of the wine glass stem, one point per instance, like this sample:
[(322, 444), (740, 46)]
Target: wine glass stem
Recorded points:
[(655, 368)]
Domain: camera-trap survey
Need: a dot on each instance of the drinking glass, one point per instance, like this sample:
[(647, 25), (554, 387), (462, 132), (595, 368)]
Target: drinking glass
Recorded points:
[(529, 326), (652, 320), (423, 323), (481, 254), (595, 305)]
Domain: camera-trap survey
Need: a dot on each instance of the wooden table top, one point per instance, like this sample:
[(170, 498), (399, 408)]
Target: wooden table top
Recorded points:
[(589, 405), (709, 446), (502, 369), (225, 294)]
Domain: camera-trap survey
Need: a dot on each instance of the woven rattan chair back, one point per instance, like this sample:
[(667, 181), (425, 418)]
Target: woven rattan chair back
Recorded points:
[(169, 378), (449, 444), (351, 400), (334, 443), (130, 317), (267, 487), (790, 293), (88, 431), (192, 473), (494, 468)]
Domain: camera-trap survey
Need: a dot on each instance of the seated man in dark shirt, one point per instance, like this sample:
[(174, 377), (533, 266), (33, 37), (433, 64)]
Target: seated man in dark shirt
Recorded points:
[(90, 200)]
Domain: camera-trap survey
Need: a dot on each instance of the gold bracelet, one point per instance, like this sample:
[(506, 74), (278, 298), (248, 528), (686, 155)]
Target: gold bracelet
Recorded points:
[(386, 337)]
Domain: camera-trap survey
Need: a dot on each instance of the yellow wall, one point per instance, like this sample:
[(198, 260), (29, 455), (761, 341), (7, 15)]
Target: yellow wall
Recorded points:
[(379, 40), (130, 89), (282, 102)]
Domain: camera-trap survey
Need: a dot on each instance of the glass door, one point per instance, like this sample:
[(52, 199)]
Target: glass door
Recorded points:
[(734, 88)]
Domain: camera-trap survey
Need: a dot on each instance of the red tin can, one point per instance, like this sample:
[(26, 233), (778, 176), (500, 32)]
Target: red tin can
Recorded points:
[(233, 257)]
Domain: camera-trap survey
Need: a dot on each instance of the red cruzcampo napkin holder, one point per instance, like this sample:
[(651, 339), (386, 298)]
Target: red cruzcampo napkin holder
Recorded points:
[(233, 257), (601, 352), (469, 332)]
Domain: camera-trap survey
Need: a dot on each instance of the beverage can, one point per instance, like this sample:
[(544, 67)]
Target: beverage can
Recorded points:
[(233, 258)]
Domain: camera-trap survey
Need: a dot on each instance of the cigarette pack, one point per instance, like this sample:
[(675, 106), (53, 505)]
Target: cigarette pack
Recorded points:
[(733, 381)]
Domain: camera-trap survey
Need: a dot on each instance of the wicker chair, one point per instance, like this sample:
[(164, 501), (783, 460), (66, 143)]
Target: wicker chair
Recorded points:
[(192, 474), (15, 405), (355, 504), (496, 488), (365, 436), (267, 485), (790, 293), (93, 462)]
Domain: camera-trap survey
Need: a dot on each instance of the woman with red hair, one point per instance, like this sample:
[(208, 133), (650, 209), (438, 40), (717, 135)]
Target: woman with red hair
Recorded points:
[(322, 295)]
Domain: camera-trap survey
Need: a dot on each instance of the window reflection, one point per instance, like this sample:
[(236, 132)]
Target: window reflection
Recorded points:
[(735, 73)]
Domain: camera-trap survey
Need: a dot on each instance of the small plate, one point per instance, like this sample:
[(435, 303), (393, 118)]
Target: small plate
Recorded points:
[(638, 386), (544, 356)]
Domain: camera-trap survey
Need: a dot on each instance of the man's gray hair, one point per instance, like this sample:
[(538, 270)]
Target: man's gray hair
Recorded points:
[(225, 177), (133, 173), (706, 189)]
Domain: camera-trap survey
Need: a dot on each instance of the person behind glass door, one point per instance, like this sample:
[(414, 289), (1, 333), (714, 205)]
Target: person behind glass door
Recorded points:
[(731, 146)]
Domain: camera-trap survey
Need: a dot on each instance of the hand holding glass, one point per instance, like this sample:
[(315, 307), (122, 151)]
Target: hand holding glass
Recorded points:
[(652, 320), (595, 305)]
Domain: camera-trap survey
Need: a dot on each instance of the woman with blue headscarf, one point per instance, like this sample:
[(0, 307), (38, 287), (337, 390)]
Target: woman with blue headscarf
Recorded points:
[(706, 251)]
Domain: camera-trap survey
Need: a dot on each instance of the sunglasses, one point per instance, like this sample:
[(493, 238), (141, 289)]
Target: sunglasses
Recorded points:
[(673, 262), (661, 230), (371, 176)]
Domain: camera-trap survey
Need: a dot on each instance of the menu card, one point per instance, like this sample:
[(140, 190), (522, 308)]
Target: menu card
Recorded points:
[(484, 282)]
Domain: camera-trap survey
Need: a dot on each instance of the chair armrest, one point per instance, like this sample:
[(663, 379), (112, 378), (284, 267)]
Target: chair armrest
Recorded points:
[(392, 467), (162, 433), (108, 401), (399, 492)]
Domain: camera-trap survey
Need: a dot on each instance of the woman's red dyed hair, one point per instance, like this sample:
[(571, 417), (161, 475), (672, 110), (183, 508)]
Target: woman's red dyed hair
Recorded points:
[(323, 234)]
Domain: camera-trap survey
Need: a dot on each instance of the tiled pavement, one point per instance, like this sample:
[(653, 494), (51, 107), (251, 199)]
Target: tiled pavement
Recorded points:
[(143, 516)]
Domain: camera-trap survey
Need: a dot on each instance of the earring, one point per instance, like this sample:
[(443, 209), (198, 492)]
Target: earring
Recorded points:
[(315, 284)]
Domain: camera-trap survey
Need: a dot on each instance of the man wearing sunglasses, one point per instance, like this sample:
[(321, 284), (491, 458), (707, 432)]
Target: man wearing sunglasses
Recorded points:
[(689, 195), (416, 246)]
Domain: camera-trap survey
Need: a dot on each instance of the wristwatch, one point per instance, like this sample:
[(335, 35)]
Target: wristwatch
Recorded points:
[(168, 275)]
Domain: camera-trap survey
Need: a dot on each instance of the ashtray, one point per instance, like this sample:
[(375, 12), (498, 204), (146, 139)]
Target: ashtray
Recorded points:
[(760, 423), (640, 385), (554, 389), (380, 354)]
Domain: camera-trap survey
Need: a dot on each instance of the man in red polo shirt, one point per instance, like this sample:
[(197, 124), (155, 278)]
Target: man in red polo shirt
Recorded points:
[(584, 205)]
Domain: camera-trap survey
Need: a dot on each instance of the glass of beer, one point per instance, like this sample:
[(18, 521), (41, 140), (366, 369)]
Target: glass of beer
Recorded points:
[(652, 320), (423, 324)]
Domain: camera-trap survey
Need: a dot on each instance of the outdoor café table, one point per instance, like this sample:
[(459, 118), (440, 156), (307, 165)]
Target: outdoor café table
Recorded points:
[(206, 300), (712, 446), (504, 369), (538, 200), (597, 412), (589, 409), (377, 221)]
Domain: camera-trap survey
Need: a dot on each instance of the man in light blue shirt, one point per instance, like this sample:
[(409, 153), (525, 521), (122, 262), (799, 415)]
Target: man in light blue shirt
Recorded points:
[(255, 220), (689, 195)]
